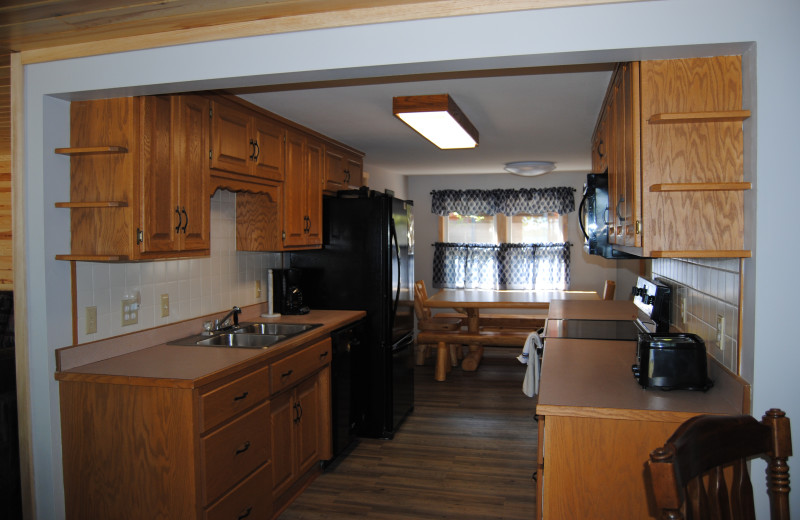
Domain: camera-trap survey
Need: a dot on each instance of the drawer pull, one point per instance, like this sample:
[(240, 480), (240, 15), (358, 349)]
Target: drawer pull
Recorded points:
[(244, 448), (245, 513), (240, 397), (324, 355), (287, 374)]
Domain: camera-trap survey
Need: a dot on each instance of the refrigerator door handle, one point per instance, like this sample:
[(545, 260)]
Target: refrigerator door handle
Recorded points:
[(399, 274)]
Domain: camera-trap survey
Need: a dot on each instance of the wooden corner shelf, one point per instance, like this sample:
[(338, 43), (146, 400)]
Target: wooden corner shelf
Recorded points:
[(91, 150), (700, 186), (699, 117), (92, 258), (98, 204)]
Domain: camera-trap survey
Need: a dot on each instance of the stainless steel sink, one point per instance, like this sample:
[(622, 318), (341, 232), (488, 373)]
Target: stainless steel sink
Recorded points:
[(247, 335), (275, 328), (242, 340)]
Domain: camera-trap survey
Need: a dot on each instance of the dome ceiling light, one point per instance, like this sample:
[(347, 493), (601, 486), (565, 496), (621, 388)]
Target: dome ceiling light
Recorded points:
[(530, 168)]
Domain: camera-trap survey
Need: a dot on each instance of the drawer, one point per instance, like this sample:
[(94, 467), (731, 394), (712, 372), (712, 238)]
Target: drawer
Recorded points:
[(247, 500), (290, 370), (234, 451), (226, 401)]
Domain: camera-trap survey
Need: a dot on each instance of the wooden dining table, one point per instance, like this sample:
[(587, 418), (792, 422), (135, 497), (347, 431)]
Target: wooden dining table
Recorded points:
[(471, 301)]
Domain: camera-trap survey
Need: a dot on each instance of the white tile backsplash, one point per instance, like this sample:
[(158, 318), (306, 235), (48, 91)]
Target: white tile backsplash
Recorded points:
[(710, 288), (196, 286)]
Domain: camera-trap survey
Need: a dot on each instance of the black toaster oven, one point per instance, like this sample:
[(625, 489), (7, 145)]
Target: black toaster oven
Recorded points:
[(671, 361)]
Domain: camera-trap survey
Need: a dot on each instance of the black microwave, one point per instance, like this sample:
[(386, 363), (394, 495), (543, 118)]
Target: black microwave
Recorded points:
[(593, 217)]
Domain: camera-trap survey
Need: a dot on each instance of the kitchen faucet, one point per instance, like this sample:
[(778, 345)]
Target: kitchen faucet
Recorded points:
[(220, 324)]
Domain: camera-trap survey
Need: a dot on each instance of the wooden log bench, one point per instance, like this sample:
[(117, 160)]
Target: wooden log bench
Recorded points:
[(476, 340)]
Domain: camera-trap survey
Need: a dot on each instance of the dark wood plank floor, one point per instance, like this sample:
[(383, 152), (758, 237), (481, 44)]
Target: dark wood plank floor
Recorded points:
[(467, 451)]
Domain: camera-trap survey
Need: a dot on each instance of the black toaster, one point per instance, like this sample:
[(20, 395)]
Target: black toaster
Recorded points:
[(671, 361)]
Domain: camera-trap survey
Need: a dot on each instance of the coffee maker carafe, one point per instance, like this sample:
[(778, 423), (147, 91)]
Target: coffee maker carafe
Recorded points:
[(287, 292)]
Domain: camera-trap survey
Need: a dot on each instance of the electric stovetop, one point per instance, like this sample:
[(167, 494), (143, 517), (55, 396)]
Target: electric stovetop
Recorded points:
[(624, 330)]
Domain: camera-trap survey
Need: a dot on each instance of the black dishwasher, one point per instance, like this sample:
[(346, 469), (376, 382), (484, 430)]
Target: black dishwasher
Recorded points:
[(345, 342)]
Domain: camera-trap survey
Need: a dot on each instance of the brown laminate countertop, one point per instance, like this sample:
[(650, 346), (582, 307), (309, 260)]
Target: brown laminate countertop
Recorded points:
[(593, 310), (591, 378), (192, 366)]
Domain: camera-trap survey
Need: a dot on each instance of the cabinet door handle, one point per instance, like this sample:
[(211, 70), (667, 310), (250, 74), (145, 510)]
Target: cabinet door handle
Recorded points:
[(257, 150), (253, 147), (300, 410), (178, 227), (244, 448), (325, 354), (296, 413), (601, 147), (620, 217), (347, 175), (185, 220), (245, 513), (287, 374), (240, 397)]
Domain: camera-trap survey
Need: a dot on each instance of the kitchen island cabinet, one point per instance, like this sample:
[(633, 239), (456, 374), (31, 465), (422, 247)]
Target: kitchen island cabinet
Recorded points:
[(597, 427), (186, 432)]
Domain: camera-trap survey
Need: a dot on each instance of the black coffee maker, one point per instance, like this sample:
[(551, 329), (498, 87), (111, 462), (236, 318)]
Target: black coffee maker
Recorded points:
[(287, 292)]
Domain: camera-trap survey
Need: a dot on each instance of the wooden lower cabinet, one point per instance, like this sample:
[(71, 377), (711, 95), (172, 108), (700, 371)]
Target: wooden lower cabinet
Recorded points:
[(594, 468), (226, 449)]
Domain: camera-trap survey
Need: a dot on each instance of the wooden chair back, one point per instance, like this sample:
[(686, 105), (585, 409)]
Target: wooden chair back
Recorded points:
[(687, 474), (608, 289), (420, 295)]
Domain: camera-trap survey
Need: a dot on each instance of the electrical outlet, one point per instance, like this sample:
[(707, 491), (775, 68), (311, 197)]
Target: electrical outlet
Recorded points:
[(720, 329), (258, 288), (91, 320), (130, 312), (164, 305)]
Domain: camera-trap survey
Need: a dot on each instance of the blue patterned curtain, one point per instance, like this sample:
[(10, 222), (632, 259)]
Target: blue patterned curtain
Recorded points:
[(503, 266), (534, 201)]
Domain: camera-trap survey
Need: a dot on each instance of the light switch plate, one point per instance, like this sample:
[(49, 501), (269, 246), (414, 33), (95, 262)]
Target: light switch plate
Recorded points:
[(164, 305), (91, 320), (130, 312)]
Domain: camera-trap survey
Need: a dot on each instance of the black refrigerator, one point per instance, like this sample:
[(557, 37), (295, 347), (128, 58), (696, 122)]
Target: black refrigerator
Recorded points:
[(367, 263)]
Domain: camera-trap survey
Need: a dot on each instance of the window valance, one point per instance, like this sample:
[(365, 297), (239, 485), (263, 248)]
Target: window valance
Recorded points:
[(509, 202)]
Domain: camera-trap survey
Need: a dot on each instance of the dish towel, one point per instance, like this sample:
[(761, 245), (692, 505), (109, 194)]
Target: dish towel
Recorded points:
[(530, 385)]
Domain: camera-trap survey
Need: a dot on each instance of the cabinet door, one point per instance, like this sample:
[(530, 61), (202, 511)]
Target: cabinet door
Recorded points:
[(295, 219), (334, 169), (354, 169), (283, 414), (268, 160), (314, 173), (308, 427), (631, 153), (232, 146), (190, 138), (159, 205)]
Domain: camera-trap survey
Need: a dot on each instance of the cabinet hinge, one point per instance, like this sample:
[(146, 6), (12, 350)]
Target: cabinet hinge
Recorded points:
[(210, 113), (210, 153), (638, 227), (139, 236), (283, 235)]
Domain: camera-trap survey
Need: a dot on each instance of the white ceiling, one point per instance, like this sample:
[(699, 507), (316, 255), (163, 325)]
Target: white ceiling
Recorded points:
[(545, 114)]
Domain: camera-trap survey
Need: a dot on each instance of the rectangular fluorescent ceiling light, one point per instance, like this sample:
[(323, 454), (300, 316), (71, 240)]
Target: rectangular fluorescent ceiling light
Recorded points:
[(438, 119)]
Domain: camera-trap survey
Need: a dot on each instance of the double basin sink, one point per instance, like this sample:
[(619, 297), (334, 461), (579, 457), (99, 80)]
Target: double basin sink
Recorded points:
[(247, 335)]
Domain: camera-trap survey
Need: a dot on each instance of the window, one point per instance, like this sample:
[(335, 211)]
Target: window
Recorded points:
[(487, 249)]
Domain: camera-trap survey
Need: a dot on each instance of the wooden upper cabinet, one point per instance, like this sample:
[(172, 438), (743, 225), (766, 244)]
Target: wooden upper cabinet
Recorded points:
[(136, 184), (302, 193), (675, 158), (174, 181), (245, 142), (343, 168)]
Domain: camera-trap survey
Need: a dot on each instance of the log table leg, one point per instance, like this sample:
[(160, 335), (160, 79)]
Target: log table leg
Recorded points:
[(473, 359)]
